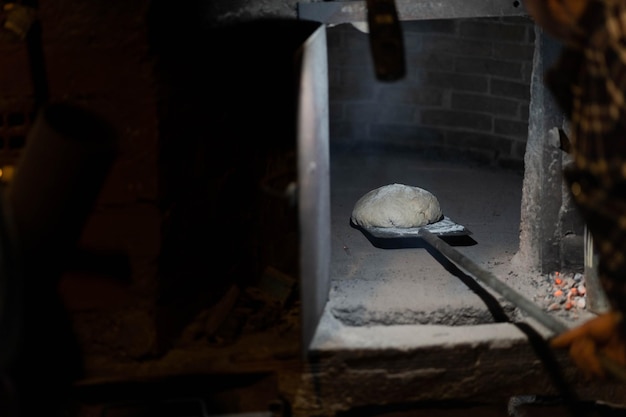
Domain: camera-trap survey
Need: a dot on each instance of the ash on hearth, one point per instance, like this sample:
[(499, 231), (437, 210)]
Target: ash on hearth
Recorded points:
[(563, 293)]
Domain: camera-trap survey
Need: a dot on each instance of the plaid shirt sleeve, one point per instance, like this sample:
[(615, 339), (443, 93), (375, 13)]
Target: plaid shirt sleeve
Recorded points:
[(589, 83)]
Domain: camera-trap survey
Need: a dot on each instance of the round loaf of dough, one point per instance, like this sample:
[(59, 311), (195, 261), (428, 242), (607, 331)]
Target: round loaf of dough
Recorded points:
[(397, 205)]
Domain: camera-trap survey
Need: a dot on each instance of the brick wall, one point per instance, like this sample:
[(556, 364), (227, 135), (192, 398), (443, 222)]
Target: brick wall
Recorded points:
[(95, 54), (467, 89)]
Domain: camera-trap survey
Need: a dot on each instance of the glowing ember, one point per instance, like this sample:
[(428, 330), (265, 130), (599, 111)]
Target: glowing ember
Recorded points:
[(562, 292), (557, 278)]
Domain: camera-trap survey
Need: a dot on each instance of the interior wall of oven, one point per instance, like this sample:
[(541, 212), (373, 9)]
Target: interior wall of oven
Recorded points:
[(460, 125), (466, 93)]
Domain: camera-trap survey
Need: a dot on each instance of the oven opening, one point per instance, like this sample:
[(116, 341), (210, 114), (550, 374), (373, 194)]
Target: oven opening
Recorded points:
[(473, 124), (457, 125)]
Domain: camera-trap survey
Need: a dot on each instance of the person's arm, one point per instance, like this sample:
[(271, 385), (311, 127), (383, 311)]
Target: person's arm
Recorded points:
[(600, 335)]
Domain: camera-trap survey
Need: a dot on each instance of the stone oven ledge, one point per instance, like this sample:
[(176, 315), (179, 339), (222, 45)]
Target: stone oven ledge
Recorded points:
[(351, 367)]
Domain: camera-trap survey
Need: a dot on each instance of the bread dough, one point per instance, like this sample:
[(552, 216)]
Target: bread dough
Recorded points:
[(397, 205)]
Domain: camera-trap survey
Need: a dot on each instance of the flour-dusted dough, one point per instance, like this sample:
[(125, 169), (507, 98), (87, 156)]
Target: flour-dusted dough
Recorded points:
[(397, 205)]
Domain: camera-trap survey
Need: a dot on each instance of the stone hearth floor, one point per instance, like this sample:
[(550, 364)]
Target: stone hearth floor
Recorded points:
[(379, 286)]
